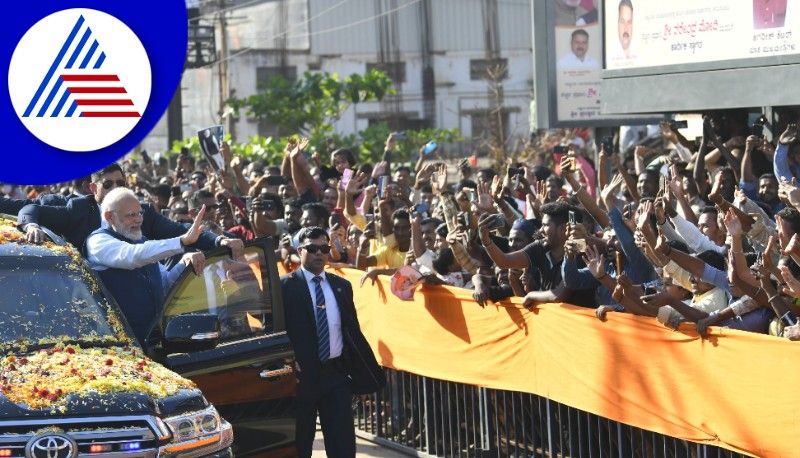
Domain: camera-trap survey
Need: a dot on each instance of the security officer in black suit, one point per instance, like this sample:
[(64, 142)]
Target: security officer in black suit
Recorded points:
[(81, 216), (333, 357)]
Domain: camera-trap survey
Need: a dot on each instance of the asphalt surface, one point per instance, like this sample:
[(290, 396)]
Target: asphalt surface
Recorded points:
[(364, 449)]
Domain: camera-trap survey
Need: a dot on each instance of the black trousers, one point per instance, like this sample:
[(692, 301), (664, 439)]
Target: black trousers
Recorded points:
[(331, 397)]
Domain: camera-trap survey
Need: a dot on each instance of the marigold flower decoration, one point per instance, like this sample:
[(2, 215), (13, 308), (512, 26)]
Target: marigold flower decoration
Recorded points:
[(49, 378)]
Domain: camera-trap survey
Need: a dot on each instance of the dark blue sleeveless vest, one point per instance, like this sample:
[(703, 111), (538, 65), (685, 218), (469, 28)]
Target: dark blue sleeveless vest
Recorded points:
[(139, 292)]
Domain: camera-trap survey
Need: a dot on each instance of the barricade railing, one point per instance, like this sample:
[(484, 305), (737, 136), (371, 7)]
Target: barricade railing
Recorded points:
[(428, 417)]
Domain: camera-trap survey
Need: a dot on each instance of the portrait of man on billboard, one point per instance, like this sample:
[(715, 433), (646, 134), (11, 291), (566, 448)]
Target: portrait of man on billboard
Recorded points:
[(625, 32), (578, 57)]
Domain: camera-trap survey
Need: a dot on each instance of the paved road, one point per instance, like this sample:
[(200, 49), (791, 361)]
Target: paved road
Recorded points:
[(364, 449)]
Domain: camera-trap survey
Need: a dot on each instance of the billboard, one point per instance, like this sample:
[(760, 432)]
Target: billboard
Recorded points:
[(579, 60), (568, 65), (642, 33)]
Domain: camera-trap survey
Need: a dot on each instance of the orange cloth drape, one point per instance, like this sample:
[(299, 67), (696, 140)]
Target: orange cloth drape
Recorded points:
[(733, 389)]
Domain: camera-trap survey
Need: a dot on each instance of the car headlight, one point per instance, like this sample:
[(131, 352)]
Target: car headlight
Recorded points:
[(194, 425)]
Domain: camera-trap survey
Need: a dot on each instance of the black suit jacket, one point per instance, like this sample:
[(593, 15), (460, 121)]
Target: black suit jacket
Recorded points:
[(13, 206), (81, 216), (365, 373)]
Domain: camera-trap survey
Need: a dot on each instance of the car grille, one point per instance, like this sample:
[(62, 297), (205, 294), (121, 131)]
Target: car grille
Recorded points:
[(128, 437)]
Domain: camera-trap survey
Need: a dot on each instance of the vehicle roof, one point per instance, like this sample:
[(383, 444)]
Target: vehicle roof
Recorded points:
[(12, 242), (26, 249)]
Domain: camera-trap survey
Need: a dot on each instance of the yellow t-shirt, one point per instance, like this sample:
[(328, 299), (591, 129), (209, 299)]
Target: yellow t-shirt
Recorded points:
[(389, 256)]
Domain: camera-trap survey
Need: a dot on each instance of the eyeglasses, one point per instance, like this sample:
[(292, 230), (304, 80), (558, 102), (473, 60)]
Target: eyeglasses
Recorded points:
[(313, 249), (140, 213), (107, 184)]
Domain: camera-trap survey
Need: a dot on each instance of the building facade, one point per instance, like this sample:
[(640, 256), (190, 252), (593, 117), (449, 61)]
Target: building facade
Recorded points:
[(439, 53)]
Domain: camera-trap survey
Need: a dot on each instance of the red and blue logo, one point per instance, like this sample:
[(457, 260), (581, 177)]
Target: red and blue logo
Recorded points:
[(87, 84), (76, 78)]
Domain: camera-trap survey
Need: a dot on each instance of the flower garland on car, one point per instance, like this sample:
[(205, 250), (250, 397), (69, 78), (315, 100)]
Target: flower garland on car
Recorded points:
[(48, 378), (9, 232)]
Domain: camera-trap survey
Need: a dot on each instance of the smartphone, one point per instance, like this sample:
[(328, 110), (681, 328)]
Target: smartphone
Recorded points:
[(347, 175), (421, 208), (497, 221), (608, 144), (560, 149), (757, 128), (472, 195), (275, 180), (683, 124), (210, 140), (335, 220), (383, 180), (185, 187), (430, 147), (571, 217), (399, 136)]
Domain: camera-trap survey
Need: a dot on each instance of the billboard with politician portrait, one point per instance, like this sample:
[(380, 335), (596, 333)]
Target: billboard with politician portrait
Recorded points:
[(579, 59), (568, 65), (642, 33)]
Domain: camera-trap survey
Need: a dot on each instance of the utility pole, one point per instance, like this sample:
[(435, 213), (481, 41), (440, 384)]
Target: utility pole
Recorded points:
[(495, 73), (224, 89)]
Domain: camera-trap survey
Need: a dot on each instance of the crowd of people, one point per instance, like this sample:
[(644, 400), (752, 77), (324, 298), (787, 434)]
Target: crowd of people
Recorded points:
[(702, 231)]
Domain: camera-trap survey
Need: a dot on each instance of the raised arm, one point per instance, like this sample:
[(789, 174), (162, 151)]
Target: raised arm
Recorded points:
[(585, 199), (513, 260), (781, 158), (301, 171)]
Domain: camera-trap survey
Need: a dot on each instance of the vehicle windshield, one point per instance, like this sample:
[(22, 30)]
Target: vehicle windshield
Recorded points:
[(50, 299)]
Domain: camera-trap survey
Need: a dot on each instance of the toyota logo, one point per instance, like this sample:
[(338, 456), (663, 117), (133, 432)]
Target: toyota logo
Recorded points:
[(51, 446)]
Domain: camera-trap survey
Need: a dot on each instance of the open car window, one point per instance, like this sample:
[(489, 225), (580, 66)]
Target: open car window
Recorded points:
[(241, 292)]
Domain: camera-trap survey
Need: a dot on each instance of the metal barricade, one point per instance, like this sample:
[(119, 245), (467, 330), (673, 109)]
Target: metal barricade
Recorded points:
[(428, 417)]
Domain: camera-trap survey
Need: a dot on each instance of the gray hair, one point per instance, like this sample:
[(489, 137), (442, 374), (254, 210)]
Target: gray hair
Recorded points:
[(114, 197)]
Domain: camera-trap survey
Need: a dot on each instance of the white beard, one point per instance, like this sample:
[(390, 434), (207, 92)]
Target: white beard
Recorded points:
[(134, 235)]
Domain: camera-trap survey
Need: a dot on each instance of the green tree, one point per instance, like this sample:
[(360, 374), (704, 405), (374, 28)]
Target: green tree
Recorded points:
[(310, 105)]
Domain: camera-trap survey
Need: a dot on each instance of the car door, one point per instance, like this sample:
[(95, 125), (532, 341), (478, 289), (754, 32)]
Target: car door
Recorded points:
[(249, 375)]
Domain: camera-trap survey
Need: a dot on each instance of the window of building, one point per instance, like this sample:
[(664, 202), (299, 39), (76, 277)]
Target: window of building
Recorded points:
[(264, 74), (394, 70), (479, 69)]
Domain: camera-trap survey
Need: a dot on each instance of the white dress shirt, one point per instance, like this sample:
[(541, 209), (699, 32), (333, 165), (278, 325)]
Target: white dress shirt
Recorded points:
[(572, 61), (331, 310), (694, 238), (105, 251)]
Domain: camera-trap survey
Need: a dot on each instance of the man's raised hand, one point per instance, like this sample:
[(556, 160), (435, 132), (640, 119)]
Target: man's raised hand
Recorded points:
[(191, 236)]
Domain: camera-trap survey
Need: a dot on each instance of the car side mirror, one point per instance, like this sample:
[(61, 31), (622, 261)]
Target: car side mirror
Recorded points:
[(191, 332)]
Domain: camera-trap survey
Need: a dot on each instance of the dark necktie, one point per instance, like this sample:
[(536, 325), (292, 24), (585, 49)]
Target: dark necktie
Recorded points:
[(324, 345)]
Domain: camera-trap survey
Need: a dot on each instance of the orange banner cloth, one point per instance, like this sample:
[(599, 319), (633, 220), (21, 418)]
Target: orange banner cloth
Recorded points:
[(733, 389)]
